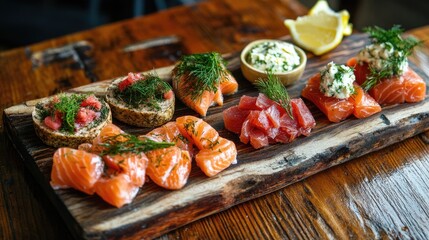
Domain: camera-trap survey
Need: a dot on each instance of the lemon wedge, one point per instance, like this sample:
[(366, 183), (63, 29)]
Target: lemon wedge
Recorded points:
[(321, 30), (322, 6)]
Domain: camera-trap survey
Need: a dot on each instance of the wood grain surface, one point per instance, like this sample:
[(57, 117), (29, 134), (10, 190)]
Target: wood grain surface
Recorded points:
[(156, 211), (383, 194)]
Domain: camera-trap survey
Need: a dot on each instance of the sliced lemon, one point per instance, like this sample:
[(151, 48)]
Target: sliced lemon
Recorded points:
[(318, 33), (323, 6), (320, 6)]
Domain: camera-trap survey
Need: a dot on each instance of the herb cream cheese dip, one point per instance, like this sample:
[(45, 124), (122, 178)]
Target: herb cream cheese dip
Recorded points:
[(276, 57), (384, 57), (336, 80)]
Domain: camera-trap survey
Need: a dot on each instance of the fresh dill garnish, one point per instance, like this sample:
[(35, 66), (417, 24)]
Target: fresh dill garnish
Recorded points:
[(275, 90), (148, 92), (202, 72), (68, 106), (126, 143), (392, 65)]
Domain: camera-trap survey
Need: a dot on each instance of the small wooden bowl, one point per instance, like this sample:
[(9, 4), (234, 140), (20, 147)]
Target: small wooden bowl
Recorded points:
[(252, 74)]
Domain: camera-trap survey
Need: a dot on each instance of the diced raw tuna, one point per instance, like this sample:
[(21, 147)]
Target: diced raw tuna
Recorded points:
[(234, 117), (53, 123), (248, 103), (273, 114), (263, 101), (85, 116), (258, 138), (303, 116), (260, 120), (91, 101)]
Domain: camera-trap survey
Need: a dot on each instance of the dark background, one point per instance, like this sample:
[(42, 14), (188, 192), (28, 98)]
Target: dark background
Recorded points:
[(24, 22)]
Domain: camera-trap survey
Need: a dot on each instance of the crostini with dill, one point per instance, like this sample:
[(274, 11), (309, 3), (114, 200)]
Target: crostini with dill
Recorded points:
[(141, 100), (200, 81), (382, 68), (271, 117), (69, 119)]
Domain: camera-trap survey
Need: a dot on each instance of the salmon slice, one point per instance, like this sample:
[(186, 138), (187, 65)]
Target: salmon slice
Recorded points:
[(365, 105), (415, 87), (199, 105), (219, 157), (217, 98), (76, 169), (107, 131), (360, 70), (131, 164), (197, 131), (389, 91), (409, 87), (335, 109), (228, 85), (169, 132), (87, 147), (117, 190), (169, 167)]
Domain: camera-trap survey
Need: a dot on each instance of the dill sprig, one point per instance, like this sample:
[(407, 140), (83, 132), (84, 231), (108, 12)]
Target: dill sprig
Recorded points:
[(275, 90), (392, 65), (202, 72), (126, 143), (68, 106), (149, 92)]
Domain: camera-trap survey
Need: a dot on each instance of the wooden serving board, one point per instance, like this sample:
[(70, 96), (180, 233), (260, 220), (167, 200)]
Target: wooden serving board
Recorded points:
[(156, 211)]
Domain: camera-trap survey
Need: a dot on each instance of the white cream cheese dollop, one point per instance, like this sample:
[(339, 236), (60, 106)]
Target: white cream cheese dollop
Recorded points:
[(382, 57), (337, 81), (274, 56)]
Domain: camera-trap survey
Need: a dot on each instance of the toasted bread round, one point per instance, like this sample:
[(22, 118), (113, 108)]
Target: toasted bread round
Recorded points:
[(57, 138), (142, 116)]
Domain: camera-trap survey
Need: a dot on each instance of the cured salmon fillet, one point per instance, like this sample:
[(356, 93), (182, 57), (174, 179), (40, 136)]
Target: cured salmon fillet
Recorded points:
[(124, 173), (228, 85), (116, 178), (415, 87), (360, 105), (199, 105), (335, 109), (409, 87), (131, 164), (217, 98), (214, 160), (216, 153), (76, 169), (110, 130), (197, 131), (169, 132), (116, 190), (364, 104), (169, 167)]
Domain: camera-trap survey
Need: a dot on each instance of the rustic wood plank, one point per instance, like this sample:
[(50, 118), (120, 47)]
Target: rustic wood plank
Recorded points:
[(156, 211)]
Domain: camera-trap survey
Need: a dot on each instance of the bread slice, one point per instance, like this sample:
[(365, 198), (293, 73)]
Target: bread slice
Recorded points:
[(58, 138), (142, 116)]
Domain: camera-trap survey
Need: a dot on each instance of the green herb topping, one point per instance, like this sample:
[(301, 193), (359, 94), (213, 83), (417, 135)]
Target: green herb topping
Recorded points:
[(275, 90), (68, 105), (202, 72), (398, 50), (126, 143), (148, 92)]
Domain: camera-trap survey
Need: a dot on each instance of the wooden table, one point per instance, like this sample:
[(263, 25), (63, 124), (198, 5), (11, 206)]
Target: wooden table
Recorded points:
[(384, 194)]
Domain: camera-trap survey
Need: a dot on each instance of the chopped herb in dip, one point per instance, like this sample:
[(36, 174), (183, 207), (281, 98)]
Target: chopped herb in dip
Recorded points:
[(336, 80), (274, 56)]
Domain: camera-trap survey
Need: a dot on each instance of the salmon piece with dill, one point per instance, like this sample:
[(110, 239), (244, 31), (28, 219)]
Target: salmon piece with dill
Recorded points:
[(200, 80)]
